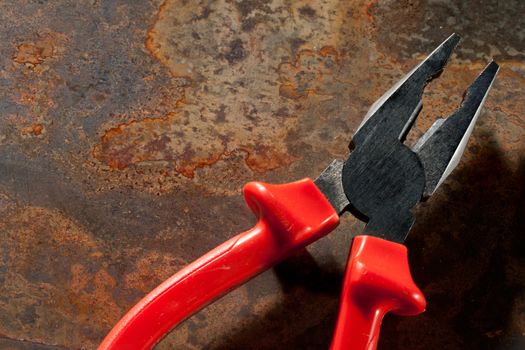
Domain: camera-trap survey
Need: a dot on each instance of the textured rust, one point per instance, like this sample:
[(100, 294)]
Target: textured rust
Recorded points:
[(309, 73), (128, 128), (35, 130), (35, 53)]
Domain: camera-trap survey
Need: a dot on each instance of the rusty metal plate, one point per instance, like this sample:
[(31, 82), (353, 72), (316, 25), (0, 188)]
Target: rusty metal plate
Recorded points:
[(129, 127)]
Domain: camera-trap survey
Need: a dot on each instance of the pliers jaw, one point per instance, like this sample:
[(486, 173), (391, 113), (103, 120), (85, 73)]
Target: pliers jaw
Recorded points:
[(383, 179), (442, 146), (392, 115)]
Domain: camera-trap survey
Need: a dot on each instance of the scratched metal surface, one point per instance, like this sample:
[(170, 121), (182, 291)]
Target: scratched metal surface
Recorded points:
[(129, 127)]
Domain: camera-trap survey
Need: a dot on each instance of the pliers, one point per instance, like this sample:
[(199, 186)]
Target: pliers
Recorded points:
[(380, 182)]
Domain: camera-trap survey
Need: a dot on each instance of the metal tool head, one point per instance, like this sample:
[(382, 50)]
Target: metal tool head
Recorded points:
[(383, 179), (392, 115)]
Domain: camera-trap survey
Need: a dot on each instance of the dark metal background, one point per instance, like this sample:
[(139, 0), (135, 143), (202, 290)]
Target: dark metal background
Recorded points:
[(129, 127)]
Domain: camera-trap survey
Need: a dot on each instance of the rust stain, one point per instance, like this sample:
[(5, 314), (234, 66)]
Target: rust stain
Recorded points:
[(153, 140), (223, 83), (37, 101), (235, 84), (140, 278), (37, 129), (118, 148), (91, 296), (234, 80), (49, 258), (167, 139), (155, 48), (34, 130), (188, 169), (263, 158), (309, 74), (35, 53), (288, 90), (329, 51)]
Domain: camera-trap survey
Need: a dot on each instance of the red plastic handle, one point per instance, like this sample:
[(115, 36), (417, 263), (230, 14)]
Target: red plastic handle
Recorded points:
[(291, 216), (377, 281)]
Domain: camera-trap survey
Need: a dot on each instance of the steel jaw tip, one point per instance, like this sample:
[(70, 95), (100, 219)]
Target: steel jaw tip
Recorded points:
[(391, 116), (442, 146)]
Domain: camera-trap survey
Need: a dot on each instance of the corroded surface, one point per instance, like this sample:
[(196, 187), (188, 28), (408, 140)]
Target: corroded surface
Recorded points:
[(128, 129)]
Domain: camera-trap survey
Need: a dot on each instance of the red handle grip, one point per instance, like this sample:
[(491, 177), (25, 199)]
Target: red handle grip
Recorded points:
[(377, 281), (291, 216)]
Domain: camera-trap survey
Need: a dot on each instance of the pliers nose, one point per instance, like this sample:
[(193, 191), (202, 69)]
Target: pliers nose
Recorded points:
[(383, 179), (441, 147), (391, 116)]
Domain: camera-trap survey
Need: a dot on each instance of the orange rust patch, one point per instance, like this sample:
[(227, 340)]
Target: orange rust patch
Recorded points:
[(35, 130), (188, 168), (231, 107), (30, 53), (144, 279), (50, 269), (290, 91), (122, 145), (91, 296), (263, 158), (368, 10), (329, 51), (36, 52), (154, 47), (173, 140), (310, 73)]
